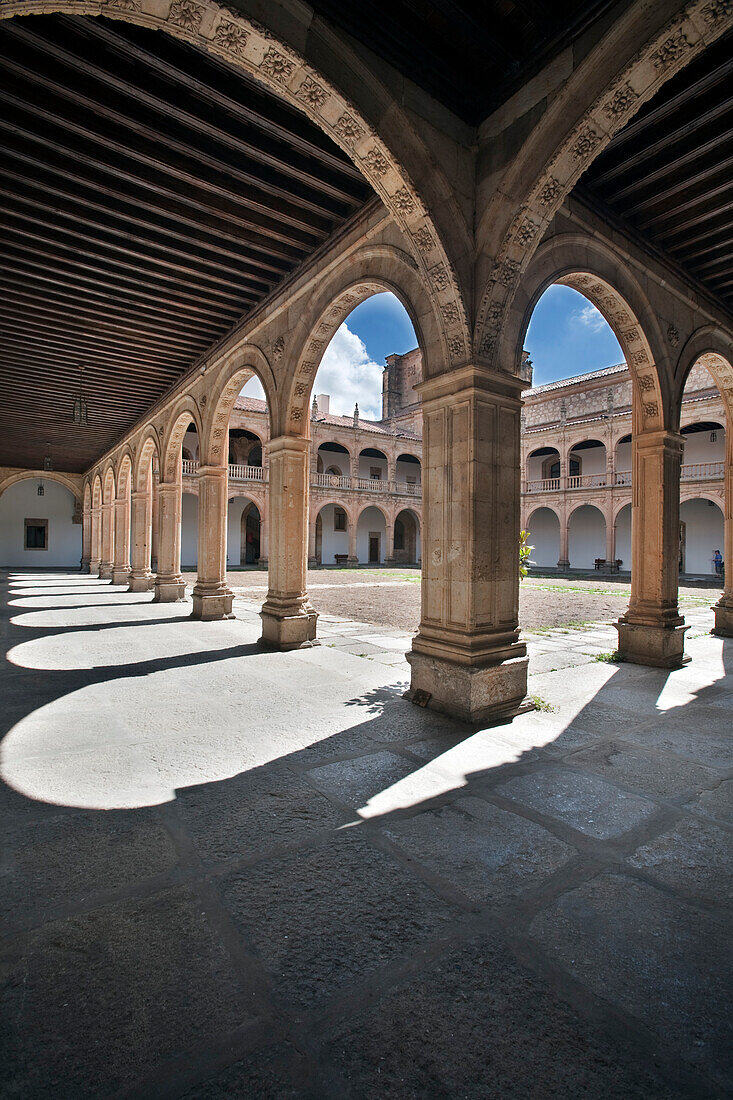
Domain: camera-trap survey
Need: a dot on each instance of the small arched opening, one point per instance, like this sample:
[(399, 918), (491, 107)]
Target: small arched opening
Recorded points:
[(407, 550), (371, 536), (544, 537), (332, 535), (333, 461), (701, 535), (408, 474), (586, 537), (587, 465), (543, 470)]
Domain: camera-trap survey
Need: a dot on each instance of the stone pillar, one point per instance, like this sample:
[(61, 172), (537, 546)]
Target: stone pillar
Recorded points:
[(141, 506), (724, 607), (86, 540), (353, 558), (388, 541), (312, 560), (121, 566), (212, 598), (288, 620), (107, 523), (467, 659), (155, 524), (169, 585), (264, 530), (391, 474), (610, 541), (96, 531), (652, 630), (563, 562)]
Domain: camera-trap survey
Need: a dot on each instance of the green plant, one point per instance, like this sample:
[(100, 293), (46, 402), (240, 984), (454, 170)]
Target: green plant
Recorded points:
[(612, 657), (542, 704), (524, 553)]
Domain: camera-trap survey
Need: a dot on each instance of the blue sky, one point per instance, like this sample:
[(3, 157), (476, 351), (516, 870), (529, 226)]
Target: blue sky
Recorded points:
[(567, 335)]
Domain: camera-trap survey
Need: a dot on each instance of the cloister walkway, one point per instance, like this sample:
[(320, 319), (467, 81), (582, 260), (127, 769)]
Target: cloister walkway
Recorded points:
[(235, 872)]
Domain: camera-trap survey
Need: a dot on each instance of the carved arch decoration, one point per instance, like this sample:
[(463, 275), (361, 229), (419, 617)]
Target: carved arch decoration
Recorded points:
[(87, 497), (548, 508), (380, 268), (349, 449), (619, 509), (598, 506), (184, 412), (97, 492), (248, 45), (147, 451), (47, 475), (373, 504), (319, 505), (709, 495), (229, 376), (510, 230), (599, 275)]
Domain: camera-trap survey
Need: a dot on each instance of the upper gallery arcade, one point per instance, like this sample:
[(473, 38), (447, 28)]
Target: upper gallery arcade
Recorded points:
[(193, 196)]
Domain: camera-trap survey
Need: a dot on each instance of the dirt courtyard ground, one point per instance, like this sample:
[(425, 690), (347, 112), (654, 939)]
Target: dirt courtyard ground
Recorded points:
[(391, 597)]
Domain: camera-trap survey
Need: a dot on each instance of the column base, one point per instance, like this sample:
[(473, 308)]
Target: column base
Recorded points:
[(655, 645), (288, 629), (484, 695), (352, 561), (563, 563), (723, 619), (212, 606), (120, 576), (141, 582), (169, 590), (84, 567), (105, 571), (94, 567)]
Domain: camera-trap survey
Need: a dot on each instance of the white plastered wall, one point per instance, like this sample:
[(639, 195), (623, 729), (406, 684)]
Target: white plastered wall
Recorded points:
[(21, 502), (371, 519), (623, 538), (332, 542), (544, 536), (189, 531), (586, 537), (703, 534)]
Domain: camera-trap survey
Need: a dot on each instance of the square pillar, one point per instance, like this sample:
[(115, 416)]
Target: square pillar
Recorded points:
[(96, 540), (86, 540), (212, 598), (169, 584), (288, 620), (141, 508), (652, 631), (121, 566), (467, 659), (107, 527), (724, 607), (353, 558)]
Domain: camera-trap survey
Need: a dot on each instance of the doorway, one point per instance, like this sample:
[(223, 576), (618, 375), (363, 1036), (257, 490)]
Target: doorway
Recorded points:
[(374, 555)]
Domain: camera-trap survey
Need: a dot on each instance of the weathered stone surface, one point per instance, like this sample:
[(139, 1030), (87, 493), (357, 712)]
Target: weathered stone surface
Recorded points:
[(717, 803), (581, 801), (477, 1025), (488, 854), (91, 1003), (327, 918), (693, 857), (269, 1074), (653, 773), (661, 960)]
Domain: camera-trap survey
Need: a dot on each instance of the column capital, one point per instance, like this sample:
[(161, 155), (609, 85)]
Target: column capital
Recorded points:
[(169, 487), (289, 444), (661, 437), (471, 380), (213, 471)]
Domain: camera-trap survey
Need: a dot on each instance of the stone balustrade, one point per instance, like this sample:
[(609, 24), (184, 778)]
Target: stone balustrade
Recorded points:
[(696, 471)]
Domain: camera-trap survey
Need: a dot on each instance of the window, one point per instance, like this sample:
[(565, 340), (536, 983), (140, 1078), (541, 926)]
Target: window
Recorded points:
[(375, 473), (339, 519), (713, 437), (36, 534)]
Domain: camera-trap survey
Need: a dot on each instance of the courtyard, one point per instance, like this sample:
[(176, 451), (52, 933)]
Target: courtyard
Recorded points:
[(233, 872)]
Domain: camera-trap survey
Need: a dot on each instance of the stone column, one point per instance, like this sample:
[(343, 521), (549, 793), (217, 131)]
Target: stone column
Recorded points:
[(96, 533), (155, 524), (724, 607), (108, 541), (169, 584), (388, 541), (86, 540), (353, 558), (264, 530), (312, 541), (563, 562), (288, 620), (391, 474), (610, 541), (467, 659), (652, 630), (212, 598), (141, 506), (121, 566)]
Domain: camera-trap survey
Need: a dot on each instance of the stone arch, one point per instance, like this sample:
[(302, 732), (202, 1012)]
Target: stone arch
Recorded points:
[(372, 504), (702, 494), (184, 411), (124, 474), (607, 88), (97, 492), (585, 547), (370, 270), (601, 276), (337, 503), (390, 164), (712, 348), (547, 540), (230, 376), (46, 475), (87, 497), (149, 448), (548, 507), (108, 485)]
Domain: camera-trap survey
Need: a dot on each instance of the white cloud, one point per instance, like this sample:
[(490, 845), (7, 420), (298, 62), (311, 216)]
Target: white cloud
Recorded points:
[(253, 388), (590, 317), (349, 376)]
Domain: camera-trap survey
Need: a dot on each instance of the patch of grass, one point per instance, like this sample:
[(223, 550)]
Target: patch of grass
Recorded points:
[(542, 704), (561, 628), (613, 657)]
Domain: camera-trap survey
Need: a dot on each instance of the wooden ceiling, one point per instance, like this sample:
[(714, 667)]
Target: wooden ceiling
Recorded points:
[(668, 175), (149, 197)]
